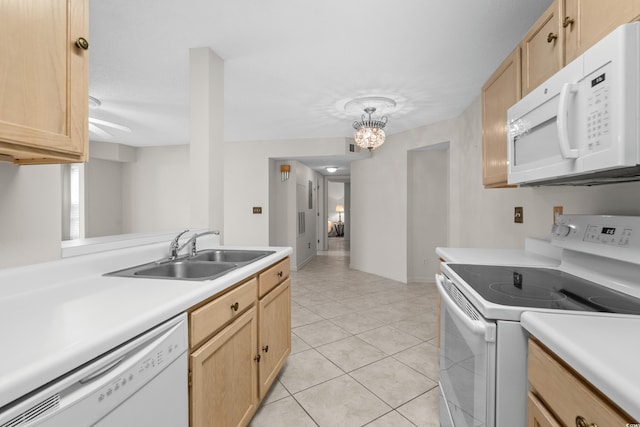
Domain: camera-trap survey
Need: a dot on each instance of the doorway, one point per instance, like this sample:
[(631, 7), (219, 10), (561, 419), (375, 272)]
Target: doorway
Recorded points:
[(338, 219)]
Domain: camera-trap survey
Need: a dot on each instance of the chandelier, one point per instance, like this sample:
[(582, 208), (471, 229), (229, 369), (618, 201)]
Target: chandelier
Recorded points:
[(369, 131)]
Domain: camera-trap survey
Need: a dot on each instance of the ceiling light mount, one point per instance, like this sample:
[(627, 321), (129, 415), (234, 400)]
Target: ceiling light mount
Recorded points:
[(382, 104)]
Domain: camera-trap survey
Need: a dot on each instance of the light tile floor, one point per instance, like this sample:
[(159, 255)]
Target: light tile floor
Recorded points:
[(364, 350)]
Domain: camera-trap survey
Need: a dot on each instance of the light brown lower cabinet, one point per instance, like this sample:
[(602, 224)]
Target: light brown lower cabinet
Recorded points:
[(274, 312), (559, 396), (538, 415), (224, 376), (238, 341)]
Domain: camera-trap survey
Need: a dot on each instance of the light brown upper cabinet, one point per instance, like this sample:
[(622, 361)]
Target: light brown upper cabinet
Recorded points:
[(587, 21), (543, 48), (500, 92), (44, 81)]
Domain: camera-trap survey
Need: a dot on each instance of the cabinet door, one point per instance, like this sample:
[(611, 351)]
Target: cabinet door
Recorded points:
[(567, 394), (224, 376), (538, 415), (501, 91), (44, 80), (275, 334), (587, 21), (543, 49)]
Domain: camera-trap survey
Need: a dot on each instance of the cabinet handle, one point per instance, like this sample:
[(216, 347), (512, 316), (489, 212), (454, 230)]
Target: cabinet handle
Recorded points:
[(265, 348), (551, 37), (567, 22), (582, 422), (280, 273), (257, 358), (235, 306), (82, 43)]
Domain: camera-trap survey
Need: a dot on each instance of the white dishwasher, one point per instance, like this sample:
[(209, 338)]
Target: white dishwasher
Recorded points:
[(140, 383)]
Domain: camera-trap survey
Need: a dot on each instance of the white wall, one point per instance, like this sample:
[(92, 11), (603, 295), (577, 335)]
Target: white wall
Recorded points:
[(103, 198), (427, 210), (379, 206), (246, 183), (306, 244), (30, 214), (155, 195)]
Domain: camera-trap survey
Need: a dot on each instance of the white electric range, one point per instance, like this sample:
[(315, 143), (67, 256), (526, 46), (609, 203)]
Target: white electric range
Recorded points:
[(483, 348)]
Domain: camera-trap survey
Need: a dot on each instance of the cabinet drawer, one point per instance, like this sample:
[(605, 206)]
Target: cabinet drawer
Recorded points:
[(268, 279), (567, 394), (209, 318)]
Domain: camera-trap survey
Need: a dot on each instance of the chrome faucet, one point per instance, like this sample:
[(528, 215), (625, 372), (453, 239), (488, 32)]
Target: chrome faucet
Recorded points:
[(193, 239), (174, 247)]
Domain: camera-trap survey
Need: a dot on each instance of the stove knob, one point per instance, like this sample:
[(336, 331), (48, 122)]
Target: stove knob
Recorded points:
[(561, 230)]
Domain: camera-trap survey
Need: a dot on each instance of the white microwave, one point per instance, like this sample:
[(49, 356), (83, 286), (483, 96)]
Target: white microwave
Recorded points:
[(581, 126)]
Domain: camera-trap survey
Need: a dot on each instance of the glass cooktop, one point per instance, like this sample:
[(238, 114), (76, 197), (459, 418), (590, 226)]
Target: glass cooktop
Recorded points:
[(543, 288)]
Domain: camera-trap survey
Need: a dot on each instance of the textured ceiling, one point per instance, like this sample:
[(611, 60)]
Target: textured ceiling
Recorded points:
[(290, 65)]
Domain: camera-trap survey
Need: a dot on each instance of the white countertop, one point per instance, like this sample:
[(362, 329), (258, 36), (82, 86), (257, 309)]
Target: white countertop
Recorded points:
[(537, 252), (58, 315), (603, 349)]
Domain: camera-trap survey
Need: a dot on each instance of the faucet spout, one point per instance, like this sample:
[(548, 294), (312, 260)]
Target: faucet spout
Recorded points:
[(192, 240)]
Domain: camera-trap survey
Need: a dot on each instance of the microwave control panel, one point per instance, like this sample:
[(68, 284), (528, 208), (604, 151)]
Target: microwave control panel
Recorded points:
[(597, 86)]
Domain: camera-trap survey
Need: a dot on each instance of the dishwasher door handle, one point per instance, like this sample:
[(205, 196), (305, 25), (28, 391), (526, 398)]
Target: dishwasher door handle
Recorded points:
[(103, 371)]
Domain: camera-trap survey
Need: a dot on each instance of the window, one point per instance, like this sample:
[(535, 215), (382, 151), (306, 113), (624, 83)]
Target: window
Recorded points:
[(72, 201)]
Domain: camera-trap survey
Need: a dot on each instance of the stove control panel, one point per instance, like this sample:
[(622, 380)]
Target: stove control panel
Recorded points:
[(619, 236), (602, 235)]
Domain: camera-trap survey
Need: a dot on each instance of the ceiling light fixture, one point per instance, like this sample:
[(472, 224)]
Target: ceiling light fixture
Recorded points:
[(369, 132), (331, 169)]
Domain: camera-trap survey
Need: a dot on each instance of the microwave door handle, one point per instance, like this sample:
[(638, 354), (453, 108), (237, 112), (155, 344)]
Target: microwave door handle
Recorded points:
[(563, 127)]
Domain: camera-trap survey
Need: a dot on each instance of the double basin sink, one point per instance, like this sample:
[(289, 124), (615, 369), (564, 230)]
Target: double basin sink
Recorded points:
[(204, 265)]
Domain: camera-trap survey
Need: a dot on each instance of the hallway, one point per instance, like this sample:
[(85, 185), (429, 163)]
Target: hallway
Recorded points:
[(364, 350)]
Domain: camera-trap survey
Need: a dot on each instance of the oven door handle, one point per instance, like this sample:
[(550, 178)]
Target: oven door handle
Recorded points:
[(477, 327)]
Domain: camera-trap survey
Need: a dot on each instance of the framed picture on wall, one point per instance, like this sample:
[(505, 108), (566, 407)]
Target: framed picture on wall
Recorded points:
[(310, 195)]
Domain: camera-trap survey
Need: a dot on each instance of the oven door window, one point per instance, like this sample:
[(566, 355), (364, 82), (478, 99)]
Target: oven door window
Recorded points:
[(467, 366)]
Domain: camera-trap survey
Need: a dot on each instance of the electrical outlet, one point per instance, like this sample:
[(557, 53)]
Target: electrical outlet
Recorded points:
[(518, 214), (557, 211), (257, 209)]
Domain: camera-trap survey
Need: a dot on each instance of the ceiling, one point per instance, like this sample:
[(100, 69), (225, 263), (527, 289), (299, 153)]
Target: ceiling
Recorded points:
[(291, 65)]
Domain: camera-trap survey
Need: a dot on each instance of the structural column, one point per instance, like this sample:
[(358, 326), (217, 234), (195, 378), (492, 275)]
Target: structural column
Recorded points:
[(206, 90)]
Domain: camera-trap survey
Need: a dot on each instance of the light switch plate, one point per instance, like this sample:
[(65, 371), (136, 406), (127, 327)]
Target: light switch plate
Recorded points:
[(557, 211), (518, 214)]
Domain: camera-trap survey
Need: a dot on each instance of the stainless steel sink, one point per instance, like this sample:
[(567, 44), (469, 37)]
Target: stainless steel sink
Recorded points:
[(181, 269), (187, 270), (230, 255), (208, 264)]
